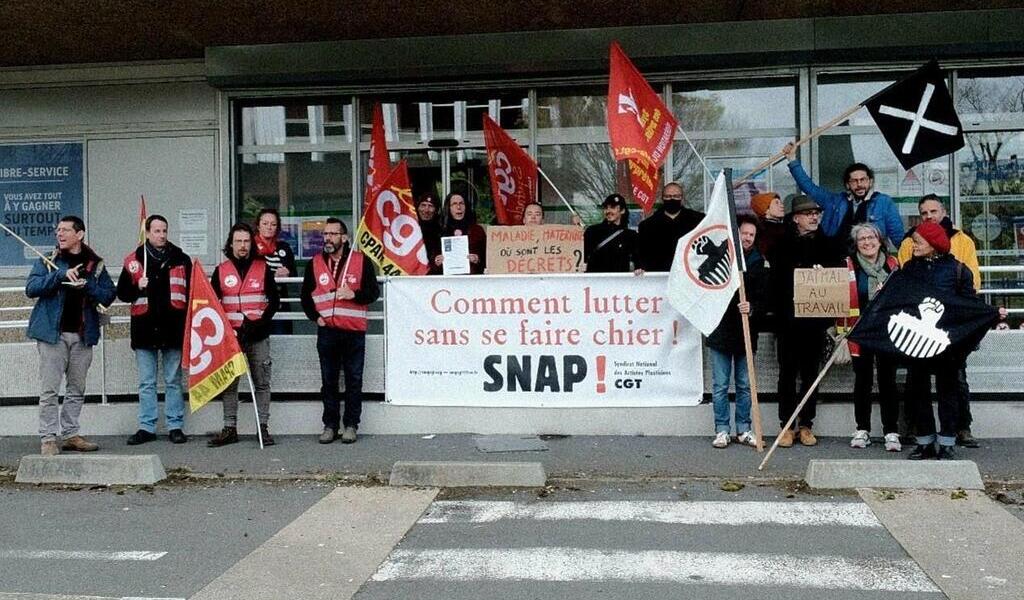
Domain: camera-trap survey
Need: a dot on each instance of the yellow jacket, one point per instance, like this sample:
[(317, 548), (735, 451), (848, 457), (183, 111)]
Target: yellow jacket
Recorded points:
[(961, 246)]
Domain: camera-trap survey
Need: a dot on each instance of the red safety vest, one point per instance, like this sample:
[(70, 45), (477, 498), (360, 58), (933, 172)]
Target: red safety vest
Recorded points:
[(178, 286), (243, 297), (844, 325), (337, 313)]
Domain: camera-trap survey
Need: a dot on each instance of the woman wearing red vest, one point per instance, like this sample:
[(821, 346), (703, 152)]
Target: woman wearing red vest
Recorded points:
[(869, 266), (336, 288), (245, 285)]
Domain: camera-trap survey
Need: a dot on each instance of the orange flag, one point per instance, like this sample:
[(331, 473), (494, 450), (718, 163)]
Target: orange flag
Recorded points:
[(390, 233), (380, 160), (210, 353), (640, 126)]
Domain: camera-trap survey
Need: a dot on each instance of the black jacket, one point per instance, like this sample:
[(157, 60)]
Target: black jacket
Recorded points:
[(162, 326), (658, 235), (728, 336), (795, 251), (944, 272), (368, 292), (252, 331), (617, 256), (432, 242)]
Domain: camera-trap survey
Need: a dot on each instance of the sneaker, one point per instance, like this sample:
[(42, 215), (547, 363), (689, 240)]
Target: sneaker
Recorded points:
[(265, 434), (228, 435), (807, 437), (922, 452), (860, 439), (348, 436), (747, 438), (786, 438), (141, 437), (177, 436), (77, 443), (946, 453), (892, 443), (966, 439), (328, 435), (721, 439), (49, 448)]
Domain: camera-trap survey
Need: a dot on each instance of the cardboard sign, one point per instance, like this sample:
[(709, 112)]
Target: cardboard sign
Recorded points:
[(821, 292), (535, 249)]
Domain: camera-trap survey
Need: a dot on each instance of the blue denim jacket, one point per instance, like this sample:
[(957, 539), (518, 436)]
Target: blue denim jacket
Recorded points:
[(44, 284)]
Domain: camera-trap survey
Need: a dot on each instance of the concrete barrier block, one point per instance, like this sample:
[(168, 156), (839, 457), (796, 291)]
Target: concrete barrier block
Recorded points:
[(896, 474), (468, 474), (92, 469)]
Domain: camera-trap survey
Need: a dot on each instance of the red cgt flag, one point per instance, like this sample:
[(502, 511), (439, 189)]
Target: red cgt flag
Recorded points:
[(380, 161), (513, 174), (389, 233), (640, 126), (644, 180), (210, 354)]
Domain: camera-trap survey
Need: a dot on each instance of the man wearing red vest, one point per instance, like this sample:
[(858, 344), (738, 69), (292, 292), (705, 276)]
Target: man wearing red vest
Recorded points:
[(154, 281), (245, 285), (336, 288)]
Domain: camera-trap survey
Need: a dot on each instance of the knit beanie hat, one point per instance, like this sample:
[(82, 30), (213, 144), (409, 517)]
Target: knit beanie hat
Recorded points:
[(935, 235), (759, 203)]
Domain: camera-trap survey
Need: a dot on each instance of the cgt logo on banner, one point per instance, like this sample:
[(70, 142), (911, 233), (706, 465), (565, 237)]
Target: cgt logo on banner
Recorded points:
[(513, 174), (389, 233), (553, 340)]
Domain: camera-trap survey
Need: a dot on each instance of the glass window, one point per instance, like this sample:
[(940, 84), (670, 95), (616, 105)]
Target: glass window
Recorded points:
[(735, 104), (444, 116), (585, 174), (568, 108), (300, 121), (739, 154), (990, 96), (838, 93)]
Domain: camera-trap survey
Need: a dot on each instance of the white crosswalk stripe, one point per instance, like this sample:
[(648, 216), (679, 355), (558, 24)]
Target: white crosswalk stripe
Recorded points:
[(460, 543)]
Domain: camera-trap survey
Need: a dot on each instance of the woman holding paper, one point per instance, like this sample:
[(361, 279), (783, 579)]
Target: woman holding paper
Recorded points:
[(460, 220)]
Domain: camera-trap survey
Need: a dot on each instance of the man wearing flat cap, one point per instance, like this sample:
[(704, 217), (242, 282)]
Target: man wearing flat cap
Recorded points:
[(610, 246)]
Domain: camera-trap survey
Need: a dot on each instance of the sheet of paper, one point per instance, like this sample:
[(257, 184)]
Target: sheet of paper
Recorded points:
[(455, 250)]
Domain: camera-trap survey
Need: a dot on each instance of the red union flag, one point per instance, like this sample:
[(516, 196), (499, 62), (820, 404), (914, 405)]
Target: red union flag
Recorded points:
[(640, 126), (513, 174), (210, 354), (389, 233), (380, 162), (644, 180)]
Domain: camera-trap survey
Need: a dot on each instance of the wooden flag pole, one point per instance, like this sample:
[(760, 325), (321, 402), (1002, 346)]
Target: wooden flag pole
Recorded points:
[(755, 408), (800, 142), (30, 247), (831, 359), (557, 191)]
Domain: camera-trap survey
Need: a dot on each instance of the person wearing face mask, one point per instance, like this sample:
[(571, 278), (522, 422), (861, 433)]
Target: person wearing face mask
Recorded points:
[(859, 203), (430, 225), (801, 341), (459, 219), (659, 233), (66, 325), (277, 253), (336, 289), (610, 246)]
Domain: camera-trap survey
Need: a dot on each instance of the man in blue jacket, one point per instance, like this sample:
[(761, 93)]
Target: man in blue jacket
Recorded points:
[(66, 325), (858, 204)]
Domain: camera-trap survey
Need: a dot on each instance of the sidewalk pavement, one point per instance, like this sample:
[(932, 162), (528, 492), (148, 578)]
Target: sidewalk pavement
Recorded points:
[(615, 457)]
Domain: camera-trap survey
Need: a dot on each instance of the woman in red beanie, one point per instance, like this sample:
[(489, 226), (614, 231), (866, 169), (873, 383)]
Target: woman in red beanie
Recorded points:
[(933, 263)]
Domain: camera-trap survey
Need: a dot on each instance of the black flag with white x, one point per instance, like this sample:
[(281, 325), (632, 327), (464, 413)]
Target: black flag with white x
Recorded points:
[(917, 117)]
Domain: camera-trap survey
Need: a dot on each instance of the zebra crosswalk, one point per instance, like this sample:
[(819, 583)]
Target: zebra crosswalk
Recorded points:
[(648, 549)]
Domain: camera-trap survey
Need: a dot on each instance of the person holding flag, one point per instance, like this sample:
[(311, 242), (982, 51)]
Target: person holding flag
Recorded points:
[(428, 215), (154, 282), (336, 289), (244, 282)]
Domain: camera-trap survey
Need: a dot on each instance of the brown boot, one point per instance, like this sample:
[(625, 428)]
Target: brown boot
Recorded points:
[(265, 433), (77, 443), (786, 439), (228, 435), (807, 437), (49, 448)]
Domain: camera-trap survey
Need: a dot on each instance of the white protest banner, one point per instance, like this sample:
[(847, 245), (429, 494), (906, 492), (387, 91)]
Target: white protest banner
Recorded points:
[(539, 341), (534, 249)]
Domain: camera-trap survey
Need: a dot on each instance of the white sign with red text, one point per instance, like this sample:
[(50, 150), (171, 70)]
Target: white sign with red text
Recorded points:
[(539, 341)]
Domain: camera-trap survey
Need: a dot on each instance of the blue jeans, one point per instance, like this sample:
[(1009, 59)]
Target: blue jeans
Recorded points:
[(722, 367), (174, 402)]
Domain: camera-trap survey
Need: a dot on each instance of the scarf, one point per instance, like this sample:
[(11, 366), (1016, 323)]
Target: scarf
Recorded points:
[(265, 246), (875, 272), (158, 254)]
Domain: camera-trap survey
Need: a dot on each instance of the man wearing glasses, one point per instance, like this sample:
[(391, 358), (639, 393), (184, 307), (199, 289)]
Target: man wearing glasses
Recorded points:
[(659, 233), (337, 287), (859, 203)]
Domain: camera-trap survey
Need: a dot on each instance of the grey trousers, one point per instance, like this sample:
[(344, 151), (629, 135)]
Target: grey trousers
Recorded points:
[(258, 355), (69, 358)]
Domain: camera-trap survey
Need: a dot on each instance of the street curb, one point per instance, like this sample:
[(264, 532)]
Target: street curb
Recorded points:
[(468, 474), (102, 469), (923, 474)]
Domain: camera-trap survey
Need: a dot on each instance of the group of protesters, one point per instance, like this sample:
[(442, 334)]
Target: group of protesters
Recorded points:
[(72, 288), (857, 228)]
